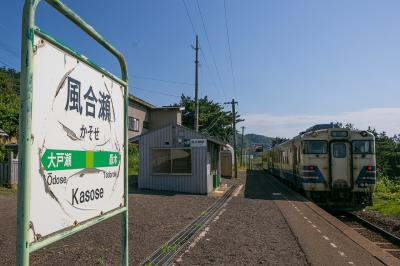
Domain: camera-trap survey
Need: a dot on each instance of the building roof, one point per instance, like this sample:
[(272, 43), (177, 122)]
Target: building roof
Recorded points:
[(3, 134), (141, 101), (177, 108), (153, 107), (200, 135)]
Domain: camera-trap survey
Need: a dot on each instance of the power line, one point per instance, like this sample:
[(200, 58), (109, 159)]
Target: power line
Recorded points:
[(203, 55), (156, 92), (213, 123), (164, 80), (209, 44), (189, 17), (6, 48), (7, 64), (229, 48), (216, 87)]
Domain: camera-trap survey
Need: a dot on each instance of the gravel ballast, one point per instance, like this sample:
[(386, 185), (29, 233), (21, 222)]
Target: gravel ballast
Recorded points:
[(390, 223)]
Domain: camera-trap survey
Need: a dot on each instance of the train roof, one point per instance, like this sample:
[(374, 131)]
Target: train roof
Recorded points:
[(320, 128)]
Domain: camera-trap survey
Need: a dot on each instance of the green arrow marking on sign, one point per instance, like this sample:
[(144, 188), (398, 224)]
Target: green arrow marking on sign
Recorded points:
[(54, 160)]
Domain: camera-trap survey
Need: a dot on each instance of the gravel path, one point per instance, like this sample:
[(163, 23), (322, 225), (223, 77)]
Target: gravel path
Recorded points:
[(153, 219), (250, 231)]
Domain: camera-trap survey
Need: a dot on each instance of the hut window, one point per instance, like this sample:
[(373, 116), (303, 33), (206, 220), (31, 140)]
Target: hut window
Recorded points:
[(161, 161), (181, 161), (172, 161)]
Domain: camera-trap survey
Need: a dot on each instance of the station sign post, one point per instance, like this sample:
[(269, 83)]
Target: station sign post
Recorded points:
[(73, 141)]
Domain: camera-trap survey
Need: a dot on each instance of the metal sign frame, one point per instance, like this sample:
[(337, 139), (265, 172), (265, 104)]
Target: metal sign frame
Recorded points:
[(29, 29)]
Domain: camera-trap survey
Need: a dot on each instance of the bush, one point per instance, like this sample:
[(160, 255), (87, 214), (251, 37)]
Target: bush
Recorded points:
[(387, 196), (133, 159)]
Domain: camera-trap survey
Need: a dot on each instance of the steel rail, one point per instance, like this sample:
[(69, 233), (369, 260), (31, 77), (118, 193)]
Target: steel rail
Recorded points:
[(162, 256), (182, 237), (203, 223), (389, 236)]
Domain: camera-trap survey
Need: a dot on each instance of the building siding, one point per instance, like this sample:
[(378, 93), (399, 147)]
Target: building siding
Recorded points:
[(162, 117), (139, 112)]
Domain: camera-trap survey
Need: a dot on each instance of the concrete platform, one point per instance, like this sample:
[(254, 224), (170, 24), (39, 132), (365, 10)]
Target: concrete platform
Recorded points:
[(319, 234)]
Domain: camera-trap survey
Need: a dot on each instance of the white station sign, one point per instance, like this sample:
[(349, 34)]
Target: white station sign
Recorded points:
[(198, 143), (77, 142)]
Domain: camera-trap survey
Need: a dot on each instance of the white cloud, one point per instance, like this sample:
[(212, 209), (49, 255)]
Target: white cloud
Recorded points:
[(383, 119)]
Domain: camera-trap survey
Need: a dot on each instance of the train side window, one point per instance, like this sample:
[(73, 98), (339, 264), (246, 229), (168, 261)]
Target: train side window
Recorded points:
[(299, 155), (339, 150), (315, 147)]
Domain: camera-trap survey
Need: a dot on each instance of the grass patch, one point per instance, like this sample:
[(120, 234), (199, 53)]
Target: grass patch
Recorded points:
[(4, 189), (387, 197)]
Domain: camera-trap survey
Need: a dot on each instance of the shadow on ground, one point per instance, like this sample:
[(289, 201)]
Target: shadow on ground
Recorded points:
[(260, 185), (134, 189)]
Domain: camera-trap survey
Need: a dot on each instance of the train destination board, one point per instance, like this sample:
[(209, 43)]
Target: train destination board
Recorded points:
[(77, 141)]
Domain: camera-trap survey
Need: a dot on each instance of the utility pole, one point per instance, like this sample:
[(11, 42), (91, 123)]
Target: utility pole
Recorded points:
[(241, 148), (196, 87), (233, 103)]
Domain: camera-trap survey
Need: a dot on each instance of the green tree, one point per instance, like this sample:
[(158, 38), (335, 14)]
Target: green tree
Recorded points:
[(278, 140), (387, 155), (212, 119), (9, 101)]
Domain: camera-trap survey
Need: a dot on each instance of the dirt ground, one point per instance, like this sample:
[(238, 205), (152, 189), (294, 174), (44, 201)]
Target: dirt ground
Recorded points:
[(153, 219), (250, 231)]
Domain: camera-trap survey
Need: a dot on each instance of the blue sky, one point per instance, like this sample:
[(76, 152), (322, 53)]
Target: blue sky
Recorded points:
[(295, 63)]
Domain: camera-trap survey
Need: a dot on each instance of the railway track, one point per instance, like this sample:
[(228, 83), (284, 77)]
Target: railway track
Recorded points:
[(165, 254), (379, 236)]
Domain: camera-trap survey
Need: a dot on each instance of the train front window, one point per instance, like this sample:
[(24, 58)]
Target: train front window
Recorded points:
[(315, 147), (363, 147), (339, 150)]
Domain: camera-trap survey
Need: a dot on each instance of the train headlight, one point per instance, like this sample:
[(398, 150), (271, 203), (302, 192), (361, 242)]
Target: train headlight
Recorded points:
[(364, 133), (314, 134)]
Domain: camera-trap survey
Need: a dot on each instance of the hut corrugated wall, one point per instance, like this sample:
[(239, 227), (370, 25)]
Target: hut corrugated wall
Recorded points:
[(172, 136)]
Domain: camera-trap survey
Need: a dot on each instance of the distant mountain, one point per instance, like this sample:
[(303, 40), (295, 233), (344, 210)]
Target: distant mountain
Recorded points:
[(266, 142)]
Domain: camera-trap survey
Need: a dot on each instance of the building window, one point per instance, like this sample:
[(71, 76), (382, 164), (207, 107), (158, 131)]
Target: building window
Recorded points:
[(172, 161), (133, 124)]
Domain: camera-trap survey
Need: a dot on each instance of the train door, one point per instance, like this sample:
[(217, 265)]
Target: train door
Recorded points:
[(295, 160), (340, 164)]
